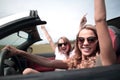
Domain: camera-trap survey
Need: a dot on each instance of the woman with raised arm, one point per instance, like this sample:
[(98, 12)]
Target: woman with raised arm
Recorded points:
[(62, 48), (93, 43)]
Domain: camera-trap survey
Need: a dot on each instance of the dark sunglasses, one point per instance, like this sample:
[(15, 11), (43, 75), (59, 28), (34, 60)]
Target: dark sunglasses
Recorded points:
[(60, 44), (89, 39)]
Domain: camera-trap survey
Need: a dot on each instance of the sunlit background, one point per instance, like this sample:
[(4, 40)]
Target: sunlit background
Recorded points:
[(62, 16)]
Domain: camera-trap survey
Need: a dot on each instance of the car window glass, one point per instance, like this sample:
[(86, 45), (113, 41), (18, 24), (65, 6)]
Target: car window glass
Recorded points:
[(13, 40)]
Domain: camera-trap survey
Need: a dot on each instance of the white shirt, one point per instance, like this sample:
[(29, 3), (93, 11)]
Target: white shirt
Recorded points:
[(61, 56)]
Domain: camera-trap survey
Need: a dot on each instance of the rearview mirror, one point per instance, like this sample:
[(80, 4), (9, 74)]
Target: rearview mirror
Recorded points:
[(22, 34)]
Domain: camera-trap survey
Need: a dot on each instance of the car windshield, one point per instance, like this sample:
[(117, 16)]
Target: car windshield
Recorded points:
[(14, 39)]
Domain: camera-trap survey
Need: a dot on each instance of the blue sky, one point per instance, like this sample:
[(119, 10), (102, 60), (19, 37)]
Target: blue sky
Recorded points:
[(62, 16)]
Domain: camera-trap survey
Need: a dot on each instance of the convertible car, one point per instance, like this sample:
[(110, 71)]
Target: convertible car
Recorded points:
[(22, 33)]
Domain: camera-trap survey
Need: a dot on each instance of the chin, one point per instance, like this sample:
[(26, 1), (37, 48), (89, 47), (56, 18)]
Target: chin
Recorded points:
[(86, 54)]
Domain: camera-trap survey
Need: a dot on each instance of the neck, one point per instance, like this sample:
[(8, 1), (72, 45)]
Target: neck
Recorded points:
[(84, 57)]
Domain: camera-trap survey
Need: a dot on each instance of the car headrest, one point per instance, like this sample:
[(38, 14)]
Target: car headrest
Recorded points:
[(115, 36)]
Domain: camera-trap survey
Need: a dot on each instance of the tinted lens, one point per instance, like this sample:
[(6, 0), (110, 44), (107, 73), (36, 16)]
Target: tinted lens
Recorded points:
[(81, 39), (60, 44), (89, 39)]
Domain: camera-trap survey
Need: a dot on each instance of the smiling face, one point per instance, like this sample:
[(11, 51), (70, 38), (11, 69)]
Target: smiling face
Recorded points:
[(64, 45), (87, 42)]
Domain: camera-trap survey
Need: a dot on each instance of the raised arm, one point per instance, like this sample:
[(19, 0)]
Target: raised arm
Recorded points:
[(83, 21), (107, 52), (52, 44)]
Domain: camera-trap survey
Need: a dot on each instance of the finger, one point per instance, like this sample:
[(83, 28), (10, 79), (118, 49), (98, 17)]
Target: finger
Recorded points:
[(5, 48)]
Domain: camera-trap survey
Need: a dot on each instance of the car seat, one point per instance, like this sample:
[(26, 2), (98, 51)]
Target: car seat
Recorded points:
[(115, 36)]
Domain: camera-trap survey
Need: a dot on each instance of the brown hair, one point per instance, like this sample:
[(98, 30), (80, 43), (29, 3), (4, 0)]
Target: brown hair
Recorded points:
[(76, 60), (88, 27)]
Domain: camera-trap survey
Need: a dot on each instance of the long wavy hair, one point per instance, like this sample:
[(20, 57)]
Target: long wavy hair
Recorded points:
[(76, 60)]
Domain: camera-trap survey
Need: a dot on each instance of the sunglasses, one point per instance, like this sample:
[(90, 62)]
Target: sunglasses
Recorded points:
[(60, 44), (89, 39)]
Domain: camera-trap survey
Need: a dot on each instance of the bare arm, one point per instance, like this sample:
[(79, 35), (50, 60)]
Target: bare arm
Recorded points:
[(107, 52), (48, 37), (42, 61)]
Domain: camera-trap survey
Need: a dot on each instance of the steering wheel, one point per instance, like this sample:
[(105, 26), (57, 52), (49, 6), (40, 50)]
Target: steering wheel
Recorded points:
[(8, 66)]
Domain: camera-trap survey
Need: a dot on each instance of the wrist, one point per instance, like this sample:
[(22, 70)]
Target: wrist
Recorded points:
[(20, 52)]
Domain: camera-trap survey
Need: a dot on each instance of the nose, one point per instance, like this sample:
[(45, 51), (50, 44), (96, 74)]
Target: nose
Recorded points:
[(63, 45), (85, 42)]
